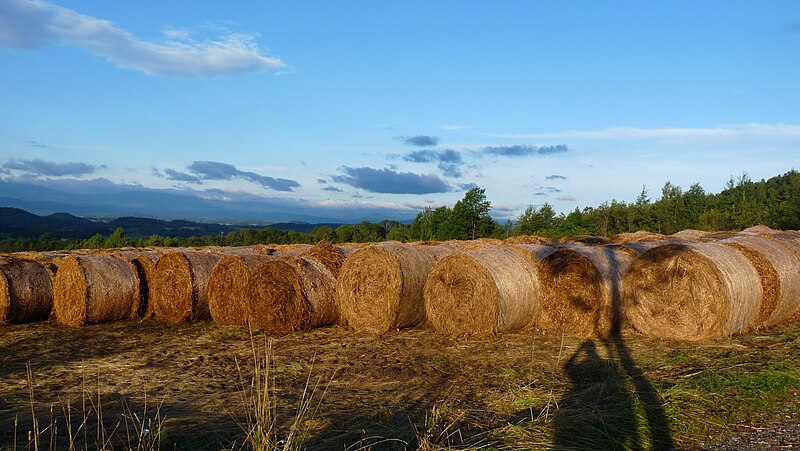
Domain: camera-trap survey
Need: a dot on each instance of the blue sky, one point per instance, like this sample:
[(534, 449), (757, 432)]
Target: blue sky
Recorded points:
[(355, 106)]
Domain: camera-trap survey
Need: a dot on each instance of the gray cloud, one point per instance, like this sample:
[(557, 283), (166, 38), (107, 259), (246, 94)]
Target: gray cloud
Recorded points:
[(392, 182), (566, 198), (521, 150), (322, 181), (540, 193), (36, 144), (552, 189), (29, 24), (172, 174), (449, 160), (212, 170), (332, 188), (421, 140), (467, 186), (555, 177), (50, 168)]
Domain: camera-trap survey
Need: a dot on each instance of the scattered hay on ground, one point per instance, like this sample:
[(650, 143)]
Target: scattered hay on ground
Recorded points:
[(92, 289), (692, 291), (482, 292)]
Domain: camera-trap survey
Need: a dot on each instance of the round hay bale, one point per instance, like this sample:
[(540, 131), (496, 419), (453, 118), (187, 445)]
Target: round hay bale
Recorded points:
[(26, 291), (144, 261), (637, 236), (689, 234), (381, 287), (526, 239), (329, 255), (581, 289), (585, 239), (759, 229), (482, 292), (779, 269), (179, 290), (93, 289), (227, 301), (692, 291), (719, 236), (288, 295)]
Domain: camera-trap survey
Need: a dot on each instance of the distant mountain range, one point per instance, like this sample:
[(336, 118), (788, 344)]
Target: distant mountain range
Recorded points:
[(17, 223)]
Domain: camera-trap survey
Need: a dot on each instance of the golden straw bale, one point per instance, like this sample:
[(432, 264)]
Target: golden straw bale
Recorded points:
[(227, 301), (291, 294), (329, 255), (692, 291), (759, 229), (26, 291), (640, 235), (144, 261), (483, 291), (179, 290), (779, 269), (581, 288), (527, 239), (380, 287), (585, 239), (92, 289), (690, 234)]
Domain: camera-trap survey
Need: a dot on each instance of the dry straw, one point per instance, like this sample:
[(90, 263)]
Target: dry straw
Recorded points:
[(227, 301), (380, 287), (689, 234), (779, 269), (585, 239), (692, 291), (527, 239), (91, 289), (329, 255), (179, 290), (482, 292), (26, 291), (291, 294), (580, 288), (144, 261), (641, 235)]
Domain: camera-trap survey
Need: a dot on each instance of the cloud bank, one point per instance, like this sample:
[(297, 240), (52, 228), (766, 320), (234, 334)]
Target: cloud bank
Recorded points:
[(50, 168), (421, 140), (389, 181), (29, 24), (520, 150), (449, 161), (212, 170)]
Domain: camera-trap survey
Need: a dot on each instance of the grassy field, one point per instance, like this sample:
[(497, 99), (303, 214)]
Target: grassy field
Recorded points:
[(407, 390)]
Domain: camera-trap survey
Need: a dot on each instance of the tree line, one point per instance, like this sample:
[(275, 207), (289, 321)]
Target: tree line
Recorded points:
[(774, 202)]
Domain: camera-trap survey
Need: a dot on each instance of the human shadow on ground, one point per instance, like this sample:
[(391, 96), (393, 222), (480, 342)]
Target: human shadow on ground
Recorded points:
[(611, 404)]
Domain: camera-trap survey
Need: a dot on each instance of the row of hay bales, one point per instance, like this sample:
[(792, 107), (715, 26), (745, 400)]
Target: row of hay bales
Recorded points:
[(692, 285)]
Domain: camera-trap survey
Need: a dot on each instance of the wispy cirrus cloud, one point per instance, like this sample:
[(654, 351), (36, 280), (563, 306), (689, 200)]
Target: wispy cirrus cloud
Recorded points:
[(449, 161), (555, 177), (390, 181), (622, 133), (213, 170), (29, 24), (521, 150), (50, 168)]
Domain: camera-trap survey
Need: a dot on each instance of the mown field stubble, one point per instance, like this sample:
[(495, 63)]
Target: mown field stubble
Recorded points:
[(410, 389)]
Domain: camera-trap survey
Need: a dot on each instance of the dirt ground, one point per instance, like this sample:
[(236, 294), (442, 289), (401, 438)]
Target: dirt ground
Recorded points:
[(379, 389)]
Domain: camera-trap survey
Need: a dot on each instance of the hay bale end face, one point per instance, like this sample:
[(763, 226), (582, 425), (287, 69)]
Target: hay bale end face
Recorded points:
[(581, 289), (92, 289), (26, 291), (779, 269), (692, 291), (482, 292), (144, 261), (381, 287), (179, 291), (275, 299), (227, 300)]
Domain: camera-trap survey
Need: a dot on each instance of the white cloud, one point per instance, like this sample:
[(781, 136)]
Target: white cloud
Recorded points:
[(28, 24), (785, 131)]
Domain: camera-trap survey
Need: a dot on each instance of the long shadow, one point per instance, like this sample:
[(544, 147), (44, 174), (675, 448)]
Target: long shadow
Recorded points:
[(600, 411)]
